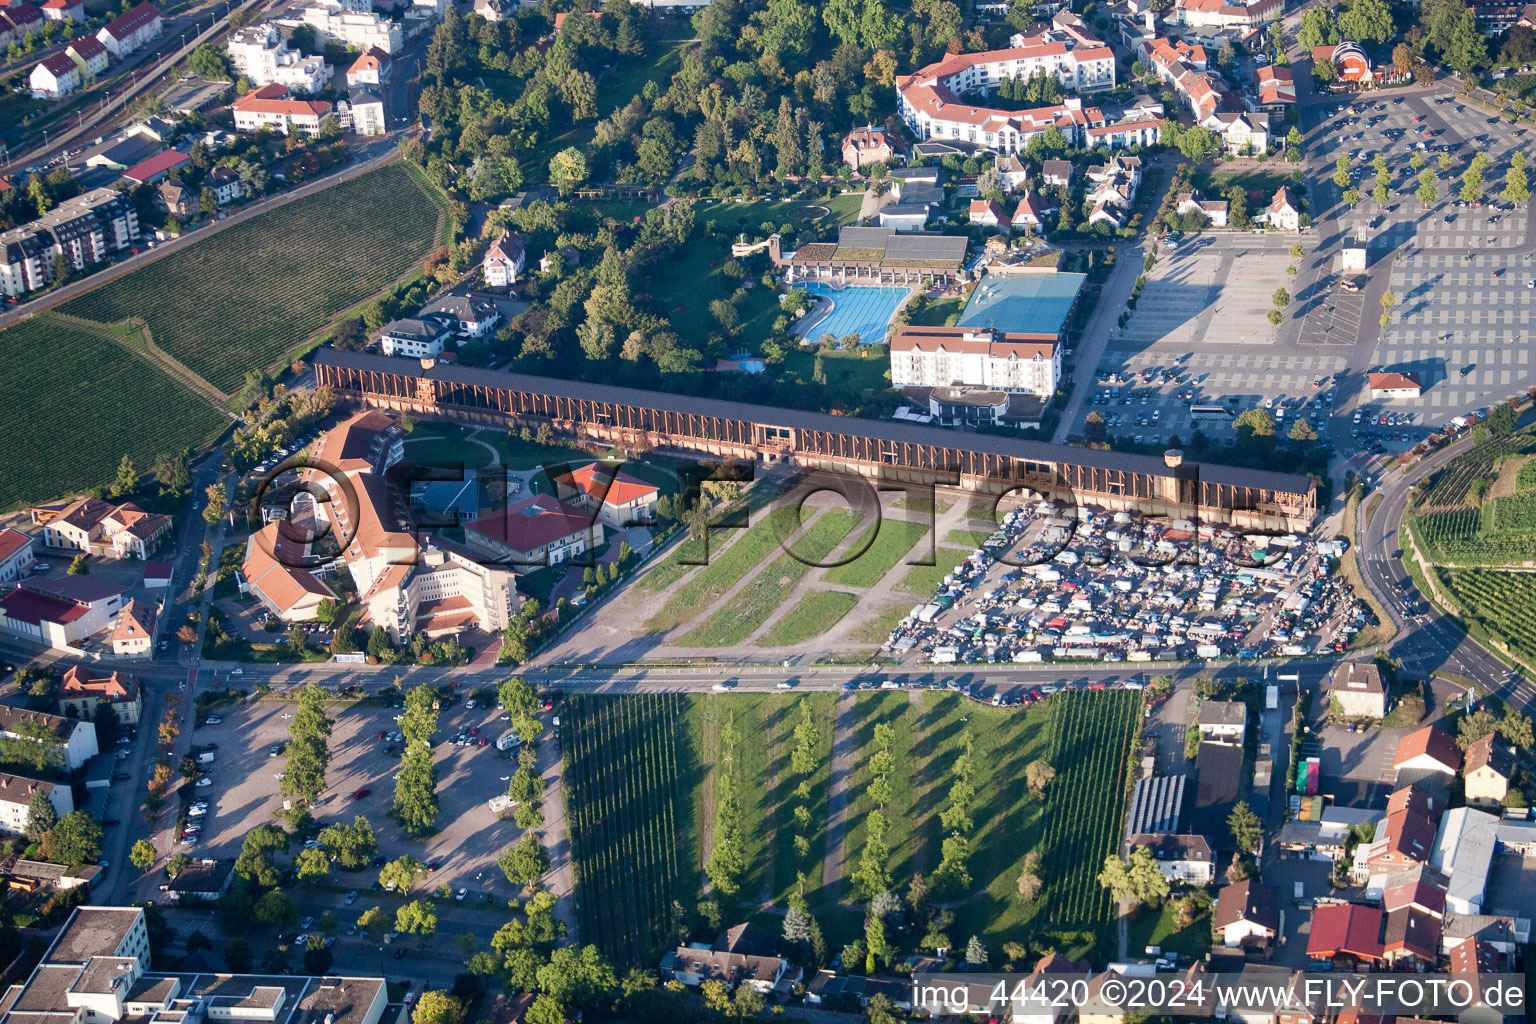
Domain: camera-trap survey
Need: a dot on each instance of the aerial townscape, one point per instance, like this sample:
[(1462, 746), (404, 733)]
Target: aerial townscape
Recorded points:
[(665, 511)]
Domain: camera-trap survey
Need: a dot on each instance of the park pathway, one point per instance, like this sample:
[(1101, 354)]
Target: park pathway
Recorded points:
[(837, 794)]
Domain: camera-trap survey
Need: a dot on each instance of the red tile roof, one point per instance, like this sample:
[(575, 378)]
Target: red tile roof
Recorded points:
[(34, 609), (1431, 741), (157, 164), (87, 47), (603, 483), (12, 541), (532, 523), (372, 59), (1347, 929), (137, 18), (116, 688)]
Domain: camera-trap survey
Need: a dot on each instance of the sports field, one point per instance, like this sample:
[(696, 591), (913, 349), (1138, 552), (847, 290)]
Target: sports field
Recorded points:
[(247, 296)]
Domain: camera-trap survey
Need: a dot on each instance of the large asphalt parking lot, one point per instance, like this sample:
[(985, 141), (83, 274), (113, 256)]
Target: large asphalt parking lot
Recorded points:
[(245, 790)]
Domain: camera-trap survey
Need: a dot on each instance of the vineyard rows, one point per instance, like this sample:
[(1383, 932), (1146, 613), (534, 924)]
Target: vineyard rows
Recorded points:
[(69, 416), (1516, 514), (621, 773), (239, 300), (1089, 750), (1451, 487), (1503, 602)]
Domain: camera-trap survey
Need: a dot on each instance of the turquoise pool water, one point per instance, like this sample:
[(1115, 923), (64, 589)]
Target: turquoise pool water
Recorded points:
[(857, 310)]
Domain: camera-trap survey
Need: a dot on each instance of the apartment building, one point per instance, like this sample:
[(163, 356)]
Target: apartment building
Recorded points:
[(83, 231), (16, 792), (127, 34), (261, 54), (975, 356)]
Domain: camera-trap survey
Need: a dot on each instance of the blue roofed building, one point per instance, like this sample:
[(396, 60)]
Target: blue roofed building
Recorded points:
[(1035, 302)]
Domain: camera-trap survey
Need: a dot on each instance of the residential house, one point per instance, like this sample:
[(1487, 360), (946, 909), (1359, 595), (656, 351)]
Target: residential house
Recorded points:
[(475, 315), (93, 526), (693, 966), (1056, 172), (867, 146), (1014, 172), (175, 198), (17, 554), (226, 184), (1246, 915), (124, 35), (372, 67), (564, 258), (134, 633), (1115, 184), (20, 20), (1356, 688), (1474, 963), (81, 692), (147, 172), (989, 213), (1274, 89), (1223, 721), (504, 260), (416, 337), (536, 531), (64, 10), (496, 10), (1186, 859), (1283, 214), (366, 110), (16, 793), (1032, 210), (76, 738), (1215, 212), (1348, 933), (1486, 770), (1430, 748), (273, 107), (53, 77), (1410, 937), (1242, 134), (1394, 385), (621, 499), (89, 56)]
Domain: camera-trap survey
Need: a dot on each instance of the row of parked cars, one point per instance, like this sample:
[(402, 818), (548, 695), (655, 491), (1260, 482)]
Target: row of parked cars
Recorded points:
[(1083, 584)]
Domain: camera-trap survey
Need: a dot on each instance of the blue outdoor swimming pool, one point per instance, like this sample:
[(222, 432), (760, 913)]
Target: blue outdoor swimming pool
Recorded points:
[(857, 310)]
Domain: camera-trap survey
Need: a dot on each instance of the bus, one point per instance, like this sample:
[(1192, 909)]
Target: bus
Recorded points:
[(1211, 412)]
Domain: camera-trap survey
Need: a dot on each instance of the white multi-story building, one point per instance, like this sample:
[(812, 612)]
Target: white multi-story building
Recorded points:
[(366, 112), (125, 35), (355, 28), (53, 77), (261, 54), (929, 100), (16, 799), (975, 356), (416, 338), (271, 106), (84, 230), (76, 739), (1224, 14)]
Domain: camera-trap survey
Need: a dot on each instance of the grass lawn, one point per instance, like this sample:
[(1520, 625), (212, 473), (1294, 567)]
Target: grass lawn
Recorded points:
[(249, 296), (968, 538), (1161, 928), (1218, 181), (686, 285), (857, 370), (428, 448), (755, 602), (811, 616), (825, 216), (751, 548), (69, 418), (940, 313), (923, 580), (878, 629), (893, 539)]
